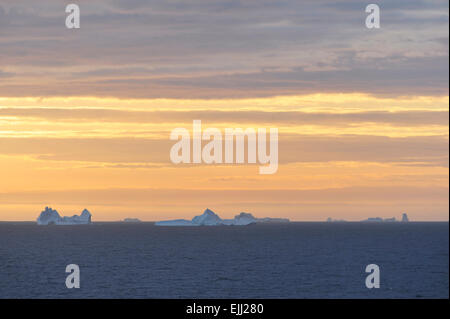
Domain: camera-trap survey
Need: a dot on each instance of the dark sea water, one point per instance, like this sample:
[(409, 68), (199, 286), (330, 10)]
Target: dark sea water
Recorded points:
[(296, 260)]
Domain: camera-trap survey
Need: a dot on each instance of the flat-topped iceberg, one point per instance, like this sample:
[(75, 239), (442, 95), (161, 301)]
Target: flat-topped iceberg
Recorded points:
[(132, 220), (50, 216), (241, 219), (392, 219), (332, 220), (209, 218)]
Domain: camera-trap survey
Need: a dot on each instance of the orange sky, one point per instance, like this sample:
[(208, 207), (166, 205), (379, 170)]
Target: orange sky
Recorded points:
[(342, 161), (86, 114)]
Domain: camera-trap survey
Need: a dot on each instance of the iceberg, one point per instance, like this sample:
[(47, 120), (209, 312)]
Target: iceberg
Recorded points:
[(131, 220), (51, 216), (209, 218), (332, 220), (241, 220), (272, 220), (386, 220), (374, 219)]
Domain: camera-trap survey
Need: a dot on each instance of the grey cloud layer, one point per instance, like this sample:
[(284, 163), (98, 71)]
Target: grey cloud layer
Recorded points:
[(223, 48)]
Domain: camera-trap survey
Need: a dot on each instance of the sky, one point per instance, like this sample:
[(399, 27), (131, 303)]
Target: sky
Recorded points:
[(362, 114)]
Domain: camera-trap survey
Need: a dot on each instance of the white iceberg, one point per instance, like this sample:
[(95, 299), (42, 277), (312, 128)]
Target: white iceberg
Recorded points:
[(50, 216), (209, 218)]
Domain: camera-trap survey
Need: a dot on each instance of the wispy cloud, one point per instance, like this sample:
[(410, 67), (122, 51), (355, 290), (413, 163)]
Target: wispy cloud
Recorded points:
[(295, 148), (224, 49), (407, 118)]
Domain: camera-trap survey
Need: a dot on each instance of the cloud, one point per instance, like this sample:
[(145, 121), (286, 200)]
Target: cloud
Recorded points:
[(432, 150), (5, 74), (224, 48)]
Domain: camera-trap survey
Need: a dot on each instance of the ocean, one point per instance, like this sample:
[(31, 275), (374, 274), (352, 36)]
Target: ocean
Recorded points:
[(294, 260)]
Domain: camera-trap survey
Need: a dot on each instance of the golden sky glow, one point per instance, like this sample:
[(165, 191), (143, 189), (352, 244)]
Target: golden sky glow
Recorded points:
[(86, 114), (46, 156)]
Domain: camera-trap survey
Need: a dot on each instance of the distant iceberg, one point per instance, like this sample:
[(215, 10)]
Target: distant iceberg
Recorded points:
[(392, 219), (373, 219), (209, 218), (241, 219), (51, 217), (379, 219), (131, 220), (331, 220)]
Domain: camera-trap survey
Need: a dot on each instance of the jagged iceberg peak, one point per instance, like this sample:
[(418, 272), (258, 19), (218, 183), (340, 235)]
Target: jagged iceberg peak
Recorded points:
[(208, 218), (50, 216), (86, 214)]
